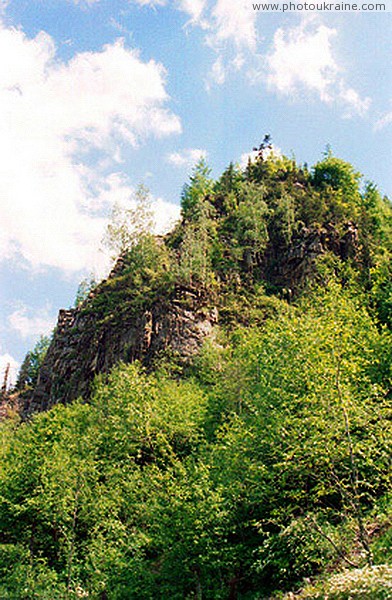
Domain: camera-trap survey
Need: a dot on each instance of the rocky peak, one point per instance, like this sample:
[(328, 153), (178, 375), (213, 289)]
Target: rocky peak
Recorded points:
[(85, 345), (107, 327)]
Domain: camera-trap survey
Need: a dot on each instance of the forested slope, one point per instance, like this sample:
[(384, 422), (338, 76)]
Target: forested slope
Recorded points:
[(258, 463)]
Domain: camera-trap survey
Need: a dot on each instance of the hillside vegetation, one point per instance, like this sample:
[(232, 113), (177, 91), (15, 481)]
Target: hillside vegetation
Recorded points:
[(259, 469)]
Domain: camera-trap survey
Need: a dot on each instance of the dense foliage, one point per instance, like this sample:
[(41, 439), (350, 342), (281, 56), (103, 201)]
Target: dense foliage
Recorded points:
[(28, 373), (269, 459)]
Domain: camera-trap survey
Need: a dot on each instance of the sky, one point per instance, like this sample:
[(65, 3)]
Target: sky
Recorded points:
[(98, 96)]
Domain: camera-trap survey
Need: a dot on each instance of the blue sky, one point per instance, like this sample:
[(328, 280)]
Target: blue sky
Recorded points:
[(98, 96)]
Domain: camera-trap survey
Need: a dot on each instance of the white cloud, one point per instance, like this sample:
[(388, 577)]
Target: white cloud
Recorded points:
[(166, 214), (51, 114), (226, 20), (40, 323), (385, 120), (355, 105), (302, 59), (229, 25), (218, 71), (238, 62), (193, 8), (8, 361), (186, 158), (234, 22), (232, 34)]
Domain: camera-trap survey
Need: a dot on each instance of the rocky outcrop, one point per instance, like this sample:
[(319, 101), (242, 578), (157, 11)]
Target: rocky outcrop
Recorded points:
[(85, 345), (109, 327), (293, 266)]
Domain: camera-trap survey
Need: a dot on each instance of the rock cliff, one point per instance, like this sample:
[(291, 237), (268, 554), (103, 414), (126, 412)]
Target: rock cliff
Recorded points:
[(85, 344), (108, 327), (293, 266)]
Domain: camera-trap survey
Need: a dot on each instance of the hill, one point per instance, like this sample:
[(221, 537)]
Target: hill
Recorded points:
[(220, 406)]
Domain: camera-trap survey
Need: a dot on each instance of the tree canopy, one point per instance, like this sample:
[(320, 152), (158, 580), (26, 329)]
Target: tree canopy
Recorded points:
[(261, 467)]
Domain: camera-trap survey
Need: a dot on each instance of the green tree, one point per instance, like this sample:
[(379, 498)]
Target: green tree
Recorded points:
[(29, 370), (304, 393), (195, 201), (198, 228), (338, 174), (338, 180), (252, 224), (194, 265), (128, 226), (282, 222)]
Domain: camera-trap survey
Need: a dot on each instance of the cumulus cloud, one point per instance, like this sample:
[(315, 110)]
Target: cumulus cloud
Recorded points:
[(41, 322), (51, 115), (233, 22), (8, 363), (231, 32), (186, 158), (302, 59), (194, 8)]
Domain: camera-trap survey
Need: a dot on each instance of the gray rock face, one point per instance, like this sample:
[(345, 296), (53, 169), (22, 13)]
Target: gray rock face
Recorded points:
[(297, 264), (107, 328), (84, 346)]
